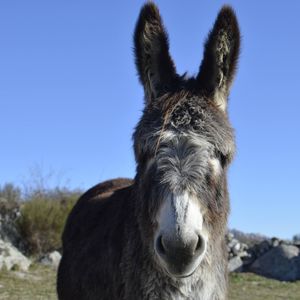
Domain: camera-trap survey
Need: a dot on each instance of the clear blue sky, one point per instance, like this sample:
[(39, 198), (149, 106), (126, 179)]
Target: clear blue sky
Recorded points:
[(70, 98)]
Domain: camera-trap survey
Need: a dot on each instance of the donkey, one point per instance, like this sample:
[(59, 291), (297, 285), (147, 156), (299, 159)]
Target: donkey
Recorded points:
[(161, 235)]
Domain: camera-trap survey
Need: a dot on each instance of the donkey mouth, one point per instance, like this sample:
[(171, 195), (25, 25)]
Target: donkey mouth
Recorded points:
[(178, 269), (178, 275)]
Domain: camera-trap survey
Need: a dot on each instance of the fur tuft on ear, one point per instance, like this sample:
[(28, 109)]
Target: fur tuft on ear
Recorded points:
[(220, 57), (154, 65)]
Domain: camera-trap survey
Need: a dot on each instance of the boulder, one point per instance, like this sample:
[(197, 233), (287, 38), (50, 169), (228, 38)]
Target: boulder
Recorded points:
[(229, 236), (281, 262), (275, 242), (235, 264), (244, 254), (51, 259), (296, 240), (12, 258), (9, 213), (236, 249), (232, 243)]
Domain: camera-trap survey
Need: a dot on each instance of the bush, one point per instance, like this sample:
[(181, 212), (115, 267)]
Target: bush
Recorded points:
[(10, 197), (250, 239), (43, 218)]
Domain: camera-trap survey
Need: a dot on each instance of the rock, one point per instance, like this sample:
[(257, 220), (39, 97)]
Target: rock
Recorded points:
[(296, 239), (286, 242), (51, 259), (264, 246), (236, 248), (229, 236), (11, 258), (297, 243), (243, 254), (235, 264), (259, 249), (244, 247), (232, 243), (247, 261), (275, 242), (282, 263), (9, 213)]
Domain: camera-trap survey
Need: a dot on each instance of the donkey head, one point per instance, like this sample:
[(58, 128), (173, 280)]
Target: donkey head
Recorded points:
[(183, 144)]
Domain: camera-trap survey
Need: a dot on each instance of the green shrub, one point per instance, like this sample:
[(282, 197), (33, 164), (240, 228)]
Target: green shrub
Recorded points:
[(43, 218), (10, 197)]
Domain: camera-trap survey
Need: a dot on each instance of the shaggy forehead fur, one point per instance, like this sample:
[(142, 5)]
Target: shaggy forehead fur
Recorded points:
[(182, 161), (187, 128)]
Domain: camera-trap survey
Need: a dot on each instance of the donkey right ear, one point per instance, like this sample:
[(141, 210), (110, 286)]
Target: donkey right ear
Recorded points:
[(221, 53), (155, 67)]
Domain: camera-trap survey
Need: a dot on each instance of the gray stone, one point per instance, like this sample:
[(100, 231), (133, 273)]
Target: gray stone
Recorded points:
[(297, 243), (230, 236), (244, 247), (248, 260), (286, 242), (243, 254), (275, 242), (264, 246), (235, 264), (8, 228), (51, 259), (282, 263), (12, 258), (236, 248), (296, 239), (232, 243)]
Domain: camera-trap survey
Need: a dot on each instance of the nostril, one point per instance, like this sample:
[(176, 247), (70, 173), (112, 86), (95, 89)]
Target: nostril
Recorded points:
[(200, 244), (160, 246)]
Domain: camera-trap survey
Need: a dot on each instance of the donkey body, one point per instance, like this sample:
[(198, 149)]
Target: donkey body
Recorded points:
[(161, 236)]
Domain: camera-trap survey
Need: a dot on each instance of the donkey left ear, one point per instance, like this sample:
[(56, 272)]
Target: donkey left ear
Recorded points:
[(220, 57), (155, 67)]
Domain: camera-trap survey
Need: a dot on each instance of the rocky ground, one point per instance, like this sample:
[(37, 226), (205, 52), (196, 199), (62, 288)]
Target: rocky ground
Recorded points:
[(38, 283), (272, 258)]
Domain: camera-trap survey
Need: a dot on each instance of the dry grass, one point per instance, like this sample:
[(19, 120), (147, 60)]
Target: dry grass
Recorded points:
[(36, 284), (39, 284), (246, 286)]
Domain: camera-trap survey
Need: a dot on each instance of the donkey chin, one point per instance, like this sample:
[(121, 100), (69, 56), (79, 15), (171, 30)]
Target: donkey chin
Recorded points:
[(180, 243)]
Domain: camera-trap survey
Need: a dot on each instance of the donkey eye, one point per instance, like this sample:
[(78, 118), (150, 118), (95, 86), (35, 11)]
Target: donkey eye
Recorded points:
[(221, 157)]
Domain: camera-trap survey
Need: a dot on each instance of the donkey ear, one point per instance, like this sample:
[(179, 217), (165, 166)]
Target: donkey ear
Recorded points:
[(220, 57), (154, 65)]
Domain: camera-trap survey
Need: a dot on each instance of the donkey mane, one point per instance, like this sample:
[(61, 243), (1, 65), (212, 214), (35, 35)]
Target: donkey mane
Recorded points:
[(161, 235)]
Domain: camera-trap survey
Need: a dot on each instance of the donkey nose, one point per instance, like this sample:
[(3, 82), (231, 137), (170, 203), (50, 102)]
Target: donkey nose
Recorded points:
[(180, 254)]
